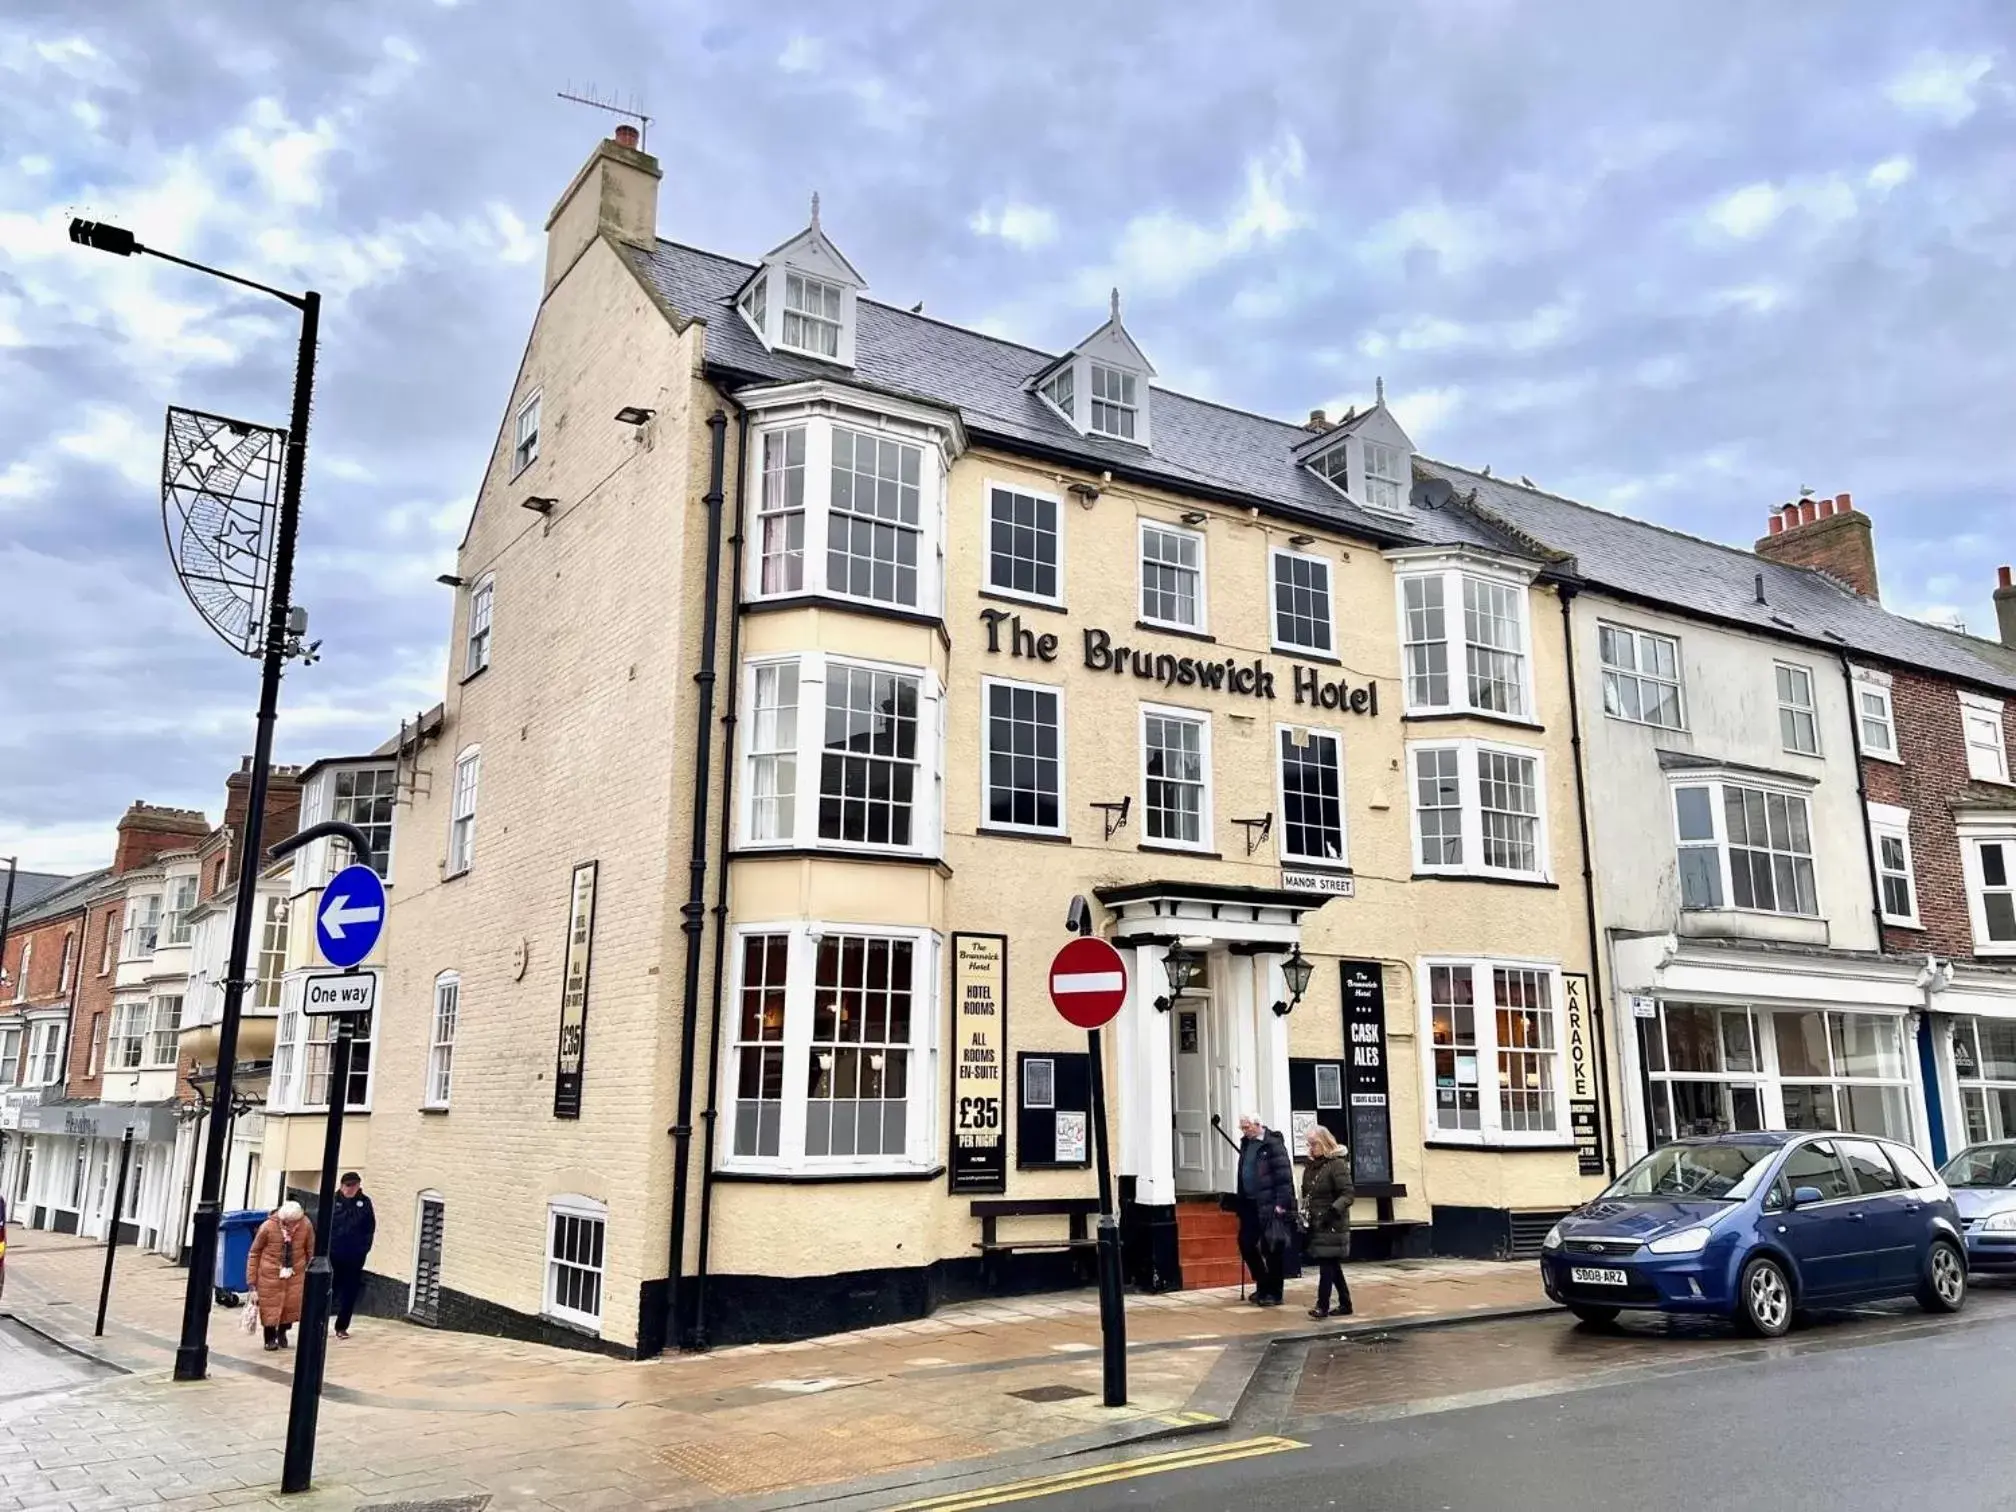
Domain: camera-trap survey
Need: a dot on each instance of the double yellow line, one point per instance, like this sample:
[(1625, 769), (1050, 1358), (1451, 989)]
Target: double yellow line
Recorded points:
[(1101, 1475)]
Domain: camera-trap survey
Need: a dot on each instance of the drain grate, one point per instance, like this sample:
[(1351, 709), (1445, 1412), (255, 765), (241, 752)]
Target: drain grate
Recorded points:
[(1050, 1393)]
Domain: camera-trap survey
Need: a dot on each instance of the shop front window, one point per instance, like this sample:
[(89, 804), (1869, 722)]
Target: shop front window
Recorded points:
[(1984, 1065)]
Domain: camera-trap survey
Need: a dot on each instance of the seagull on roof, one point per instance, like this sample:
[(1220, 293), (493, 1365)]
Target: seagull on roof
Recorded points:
[(1527, 482), (917, 308), (1486, 472)]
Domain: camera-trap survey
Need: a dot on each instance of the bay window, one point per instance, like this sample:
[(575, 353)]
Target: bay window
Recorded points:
[(143, 927), (1479, 810), (365, 796), (1743, 846), (849, 504), (1494, 1069), (165, 1022), (127, 1048), (832, 1064), (181, 898), (843, 754), (1984, 1066), (1483, 614), (1312, 796), (302, 1045), (45, 1054)]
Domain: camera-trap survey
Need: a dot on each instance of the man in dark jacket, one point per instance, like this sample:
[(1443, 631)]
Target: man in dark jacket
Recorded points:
[(1266, 1206), (351, 1230)]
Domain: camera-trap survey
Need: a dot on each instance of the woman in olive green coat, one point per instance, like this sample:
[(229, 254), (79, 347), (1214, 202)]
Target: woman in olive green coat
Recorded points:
[(1326, 1207)]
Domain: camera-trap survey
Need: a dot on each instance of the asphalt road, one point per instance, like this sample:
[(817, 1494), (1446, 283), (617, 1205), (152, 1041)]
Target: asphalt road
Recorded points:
[(1876, 1411)]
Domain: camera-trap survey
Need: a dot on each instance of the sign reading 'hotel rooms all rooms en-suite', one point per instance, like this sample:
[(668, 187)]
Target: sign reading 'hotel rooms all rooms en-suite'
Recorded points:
[(1247, 677)]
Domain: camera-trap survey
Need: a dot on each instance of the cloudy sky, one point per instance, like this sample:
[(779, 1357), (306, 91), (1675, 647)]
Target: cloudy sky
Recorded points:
[(1679, 260)]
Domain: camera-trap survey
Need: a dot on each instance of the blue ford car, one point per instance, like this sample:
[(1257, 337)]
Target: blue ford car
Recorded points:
[(1983, 1181), (1755, 1227)]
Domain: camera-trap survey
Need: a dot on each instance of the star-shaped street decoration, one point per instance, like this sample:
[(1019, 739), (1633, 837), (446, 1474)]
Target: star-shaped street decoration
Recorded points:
[(238, 538), (203, 458)]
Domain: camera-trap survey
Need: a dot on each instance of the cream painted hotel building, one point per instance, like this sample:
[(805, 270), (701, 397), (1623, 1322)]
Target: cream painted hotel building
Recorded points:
[(809, 657)]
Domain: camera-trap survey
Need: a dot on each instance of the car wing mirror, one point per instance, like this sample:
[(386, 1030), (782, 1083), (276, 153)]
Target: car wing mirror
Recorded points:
[(1806, 1196)]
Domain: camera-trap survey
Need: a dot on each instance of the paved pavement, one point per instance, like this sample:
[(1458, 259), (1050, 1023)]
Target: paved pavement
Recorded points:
[(412, 1413), (1883, 1408)]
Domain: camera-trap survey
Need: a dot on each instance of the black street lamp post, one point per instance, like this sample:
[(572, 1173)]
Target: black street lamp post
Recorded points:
[(193, 1356)]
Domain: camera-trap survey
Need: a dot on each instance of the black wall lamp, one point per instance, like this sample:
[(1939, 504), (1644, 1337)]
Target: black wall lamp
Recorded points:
[(632, 414), (1296, 971), (449, 580), (539, 504), (1182, 966)]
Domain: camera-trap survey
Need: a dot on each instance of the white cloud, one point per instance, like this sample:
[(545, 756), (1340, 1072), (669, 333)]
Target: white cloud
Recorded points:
[(1419, 411), (1941, 85), (1749, 212), (1163, 252), (1889, 173), (1544, 327), (801, 54), (112, 438), (1757, 298), (1024, 226), (1458, 239), (286, 156), (22, 480)]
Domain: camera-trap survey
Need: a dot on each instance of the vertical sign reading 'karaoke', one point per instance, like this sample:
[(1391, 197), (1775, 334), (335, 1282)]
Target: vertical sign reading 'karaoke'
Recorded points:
[(1583, 1117), (574, 993), (979, 1053)]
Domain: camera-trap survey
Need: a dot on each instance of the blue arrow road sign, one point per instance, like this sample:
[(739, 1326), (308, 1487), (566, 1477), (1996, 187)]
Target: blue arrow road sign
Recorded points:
[(351, 916)]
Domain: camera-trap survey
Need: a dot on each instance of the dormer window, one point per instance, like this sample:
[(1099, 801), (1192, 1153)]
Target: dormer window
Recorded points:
[(811, 315), (1101, 385), (1335, 465), (802, 297), (1385, 477), (1113, 407)]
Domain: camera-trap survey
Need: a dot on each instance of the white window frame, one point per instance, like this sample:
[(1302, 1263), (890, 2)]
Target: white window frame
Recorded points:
[(1399, 480), (814, 320), (1308, 734), (1875, 685), (1471, 795), (586, 1210), (296, 1035), (1490, 1106), (108, 943), (1127, 408), (1789, 712), (143, 923), (994, 488), (476, 634), (447, 1012), (987, 819), (927, 800), (1888, 822), (69, 961), (1206, 829), (1203, 621), (11, 1037), (1717, 783), (178, 898), (819, 418), (1972, 839), (922, 1128), (1275, 556), (1980, 1085), (45, 1058), (755, 304), (524, 439), (344, 806), (126, 1039), (1614, 675), (270, 962), (1455, 638), (462, 802), (23, 964), (159, 1024), (1987, 761)]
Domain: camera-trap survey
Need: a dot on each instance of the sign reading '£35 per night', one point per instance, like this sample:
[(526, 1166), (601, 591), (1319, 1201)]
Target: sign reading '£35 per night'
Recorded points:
[(979, 1051)]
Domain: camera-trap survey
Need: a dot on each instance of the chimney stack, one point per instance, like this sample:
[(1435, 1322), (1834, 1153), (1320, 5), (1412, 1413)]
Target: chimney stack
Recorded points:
[(1828, 534), (615, 194), (2005, 607), (1318, 422), (147, 829)]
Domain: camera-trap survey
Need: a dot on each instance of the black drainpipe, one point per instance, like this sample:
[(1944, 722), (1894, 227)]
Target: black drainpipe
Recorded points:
[(694, 910), (697, 1339), (1862, 797), (1596, 998)]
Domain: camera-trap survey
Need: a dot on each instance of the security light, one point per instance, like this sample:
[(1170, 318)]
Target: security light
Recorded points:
[(539, 504), (631, 414)]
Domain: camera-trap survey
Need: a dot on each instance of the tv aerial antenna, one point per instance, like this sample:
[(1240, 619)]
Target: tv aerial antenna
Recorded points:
[(629, 110)]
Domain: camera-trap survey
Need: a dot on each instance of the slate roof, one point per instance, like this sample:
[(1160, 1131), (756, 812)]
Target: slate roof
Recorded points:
[(29, 887), (1199, 446), (68, 893), (1213, 450), (1696, 576)]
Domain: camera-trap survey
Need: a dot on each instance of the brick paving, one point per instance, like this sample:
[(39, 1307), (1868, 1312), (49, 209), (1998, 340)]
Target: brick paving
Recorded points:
[(414, 1413)]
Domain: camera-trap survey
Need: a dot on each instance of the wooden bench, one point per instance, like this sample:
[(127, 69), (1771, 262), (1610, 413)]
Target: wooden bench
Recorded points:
[(1386, 1232), (991, 1210)]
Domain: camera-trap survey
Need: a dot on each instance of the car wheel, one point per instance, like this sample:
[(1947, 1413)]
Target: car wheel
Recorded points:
[(1764, 1299), (1589, 1313), (1944, 1289)]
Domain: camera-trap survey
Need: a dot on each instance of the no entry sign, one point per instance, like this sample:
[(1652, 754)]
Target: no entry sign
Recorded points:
[(1088, 982)]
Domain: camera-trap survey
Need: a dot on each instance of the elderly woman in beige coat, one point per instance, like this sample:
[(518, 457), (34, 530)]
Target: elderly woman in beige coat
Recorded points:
[(278, 1267)]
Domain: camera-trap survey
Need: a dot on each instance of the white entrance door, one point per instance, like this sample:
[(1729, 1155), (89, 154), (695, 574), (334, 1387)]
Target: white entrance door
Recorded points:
[(1192, 1060)]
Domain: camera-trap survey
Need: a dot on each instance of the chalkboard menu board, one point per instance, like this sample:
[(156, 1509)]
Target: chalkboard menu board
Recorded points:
[(1365, 1082)]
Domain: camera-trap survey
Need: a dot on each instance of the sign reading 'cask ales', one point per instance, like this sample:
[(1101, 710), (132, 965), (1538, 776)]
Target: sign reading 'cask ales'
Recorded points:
[(574, 993), (979, 1053)]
